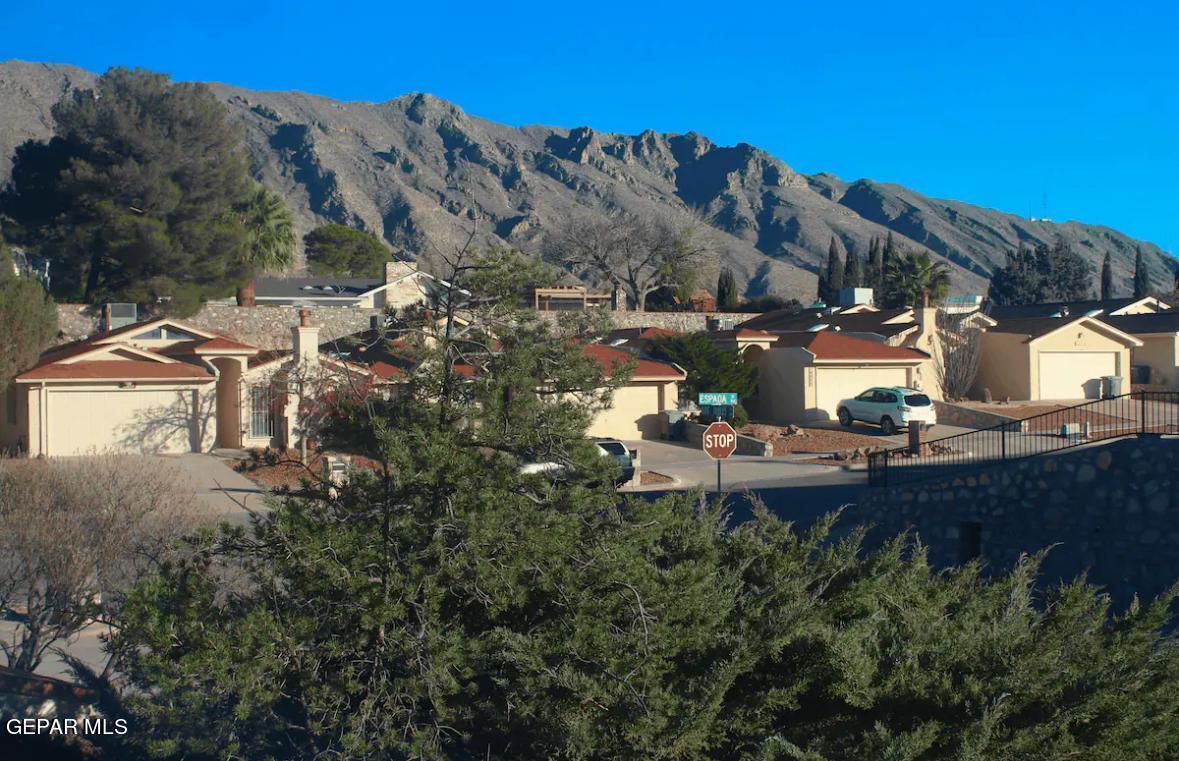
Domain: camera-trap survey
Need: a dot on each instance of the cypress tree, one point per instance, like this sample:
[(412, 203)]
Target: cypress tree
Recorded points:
[(726, 291), (875, 276), (1106, 278), (834, 273), (853, 273), (1141, 278)]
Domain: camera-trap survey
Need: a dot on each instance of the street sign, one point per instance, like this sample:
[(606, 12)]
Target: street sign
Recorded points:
[(717, 400), (720, 440)]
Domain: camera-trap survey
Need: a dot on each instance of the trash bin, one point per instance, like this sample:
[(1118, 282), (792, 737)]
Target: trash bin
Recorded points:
[(1111, 386), (672, 424)]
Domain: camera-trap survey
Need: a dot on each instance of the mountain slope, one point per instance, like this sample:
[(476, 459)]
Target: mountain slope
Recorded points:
[(421, 173)]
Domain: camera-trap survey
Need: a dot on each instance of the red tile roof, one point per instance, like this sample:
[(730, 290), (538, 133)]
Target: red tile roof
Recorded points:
[(611, 358), (826, 344), (221, 343), (113, 369)]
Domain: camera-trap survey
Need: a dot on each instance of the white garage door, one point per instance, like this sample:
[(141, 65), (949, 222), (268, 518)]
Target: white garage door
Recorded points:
[(1075, 375), (837, 383), (121, 420)]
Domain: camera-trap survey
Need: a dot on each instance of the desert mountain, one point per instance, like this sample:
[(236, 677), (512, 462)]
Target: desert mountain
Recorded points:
[(421, 173)]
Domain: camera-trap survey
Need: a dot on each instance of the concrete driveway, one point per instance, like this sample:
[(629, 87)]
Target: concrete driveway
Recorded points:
[(229, 495)]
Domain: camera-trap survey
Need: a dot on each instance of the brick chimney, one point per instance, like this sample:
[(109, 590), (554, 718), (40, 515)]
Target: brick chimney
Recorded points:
[(305, 340)]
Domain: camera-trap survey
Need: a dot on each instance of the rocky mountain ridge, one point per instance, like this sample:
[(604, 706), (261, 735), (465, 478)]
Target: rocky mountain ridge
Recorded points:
[(421, 173)]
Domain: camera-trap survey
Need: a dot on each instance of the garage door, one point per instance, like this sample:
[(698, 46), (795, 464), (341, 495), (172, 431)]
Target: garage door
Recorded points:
[(837, 383), (1075, 375), (121, 420), (634, 414)]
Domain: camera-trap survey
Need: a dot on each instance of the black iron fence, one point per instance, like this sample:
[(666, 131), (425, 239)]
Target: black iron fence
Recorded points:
[(1134, 414)]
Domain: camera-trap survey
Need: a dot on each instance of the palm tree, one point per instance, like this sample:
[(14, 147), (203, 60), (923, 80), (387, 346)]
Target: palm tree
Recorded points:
[(909, 274), (271, 239)]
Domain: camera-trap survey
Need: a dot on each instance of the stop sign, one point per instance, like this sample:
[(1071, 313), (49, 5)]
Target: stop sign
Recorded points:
[(720, 440)]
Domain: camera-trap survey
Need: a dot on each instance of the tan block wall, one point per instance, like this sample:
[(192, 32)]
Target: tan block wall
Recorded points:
[(1162, 354)]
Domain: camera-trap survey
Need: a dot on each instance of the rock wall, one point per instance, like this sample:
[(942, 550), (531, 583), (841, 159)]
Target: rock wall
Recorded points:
[(269, 327), (746, 445), (968, 417), (1111, 510)]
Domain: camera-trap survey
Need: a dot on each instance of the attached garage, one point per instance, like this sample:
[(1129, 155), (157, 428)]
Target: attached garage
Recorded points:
[(803, 376), (634, 408), (633, 413), (136, 420), (833, 384), (1075, 375), (148, 388), (1052, 358)]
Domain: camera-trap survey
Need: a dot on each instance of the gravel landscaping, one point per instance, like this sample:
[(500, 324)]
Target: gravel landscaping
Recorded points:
[(796, 439)]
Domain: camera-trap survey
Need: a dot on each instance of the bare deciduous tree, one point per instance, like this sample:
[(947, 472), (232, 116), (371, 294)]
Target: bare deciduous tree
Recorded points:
[(640, 253), (956, 354), (73, 535)]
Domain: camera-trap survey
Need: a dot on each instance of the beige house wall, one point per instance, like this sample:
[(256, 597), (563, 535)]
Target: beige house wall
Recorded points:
[(634, 411), (783, 393), (1003, 367), (1161, 353)]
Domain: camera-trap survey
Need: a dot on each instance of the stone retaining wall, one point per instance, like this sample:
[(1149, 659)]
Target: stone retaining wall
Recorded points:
[(949, 413), (1111, 509), (694, 434), (269, 327)]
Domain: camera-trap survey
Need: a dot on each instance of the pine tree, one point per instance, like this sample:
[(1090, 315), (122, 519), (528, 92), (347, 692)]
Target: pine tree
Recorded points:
[(139, 197), (1107, 277), (1141, 277), (29, 319), (726, 291)]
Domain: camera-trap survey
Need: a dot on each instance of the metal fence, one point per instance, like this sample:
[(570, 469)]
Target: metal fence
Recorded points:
[(1134, 414)]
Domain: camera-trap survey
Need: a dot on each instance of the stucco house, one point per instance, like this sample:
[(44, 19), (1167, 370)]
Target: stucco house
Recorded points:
[(803, 376), (156, 386), (1090, 308), (1052, 358), (402, 284), (652, 387), (1158, 356)]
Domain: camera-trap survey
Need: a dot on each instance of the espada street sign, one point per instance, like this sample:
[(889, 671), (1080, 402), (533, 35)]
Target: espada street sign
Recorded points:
[(713, 399)]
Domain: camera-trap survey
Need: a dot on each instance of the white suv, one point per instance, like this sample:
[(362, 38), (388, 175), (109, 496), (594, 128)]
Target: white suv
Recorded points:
[(888, 407)]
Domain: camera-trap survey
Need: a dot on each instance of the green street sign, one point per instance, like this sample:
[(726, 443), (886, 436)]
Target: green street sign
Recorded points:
[(717, 400)]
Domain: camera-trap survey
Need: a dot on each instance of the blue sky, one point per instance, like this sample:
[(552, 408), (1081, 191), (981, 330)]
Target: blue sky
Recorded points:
[(1072, 106)]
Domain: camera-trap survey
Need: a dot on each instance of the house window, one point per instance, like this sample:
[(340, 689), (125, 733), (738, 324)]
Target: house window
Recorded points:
[(261, 412), (969, 541)]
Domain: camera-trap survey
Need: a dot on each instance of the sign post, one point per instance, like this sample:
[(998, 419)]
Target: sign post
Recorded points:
[(719, 442)]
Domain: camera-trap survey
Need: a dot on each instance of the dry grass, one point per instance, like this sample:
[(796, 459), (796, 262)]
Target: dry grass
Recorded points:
[(75, 533)]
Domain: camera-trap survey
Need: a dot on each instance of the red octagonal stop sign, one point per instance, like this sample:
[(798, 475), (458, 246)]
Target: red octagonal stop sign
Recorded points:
[(720, 440)]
